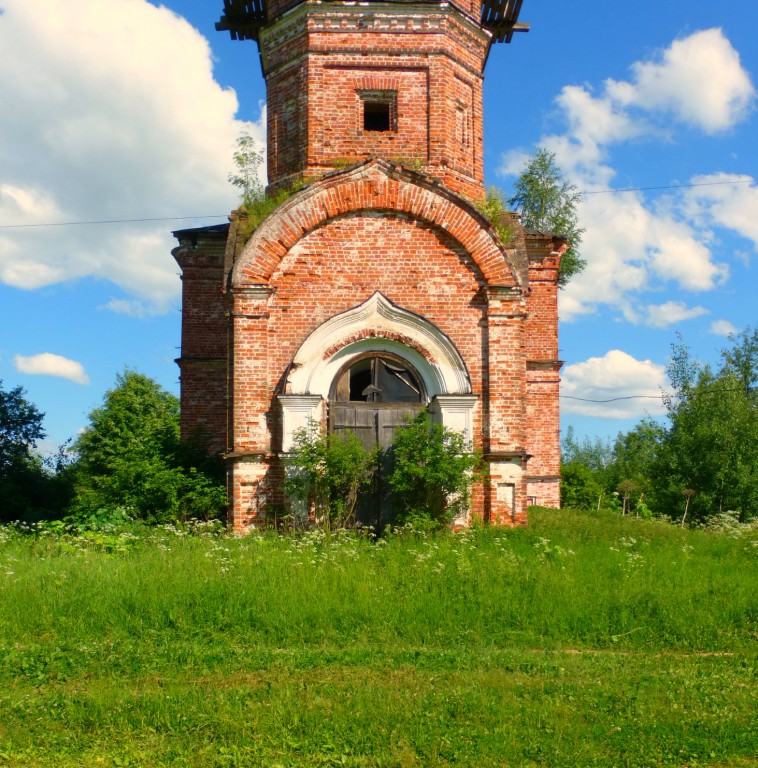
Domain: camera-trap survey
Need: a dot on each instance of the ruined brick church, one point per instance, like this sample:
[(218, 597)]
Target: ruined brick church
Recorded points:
[(378, 288)]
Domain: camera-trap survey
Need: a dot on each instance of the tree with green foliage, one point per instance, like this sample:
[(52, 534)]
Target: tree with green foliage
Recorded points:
[(247, 162), (702, 465), (431, 472), (29, 490), (710, 452), (581, 487), (547, 203), (587, 479), (130, 457), (636, 457), (20, 428)]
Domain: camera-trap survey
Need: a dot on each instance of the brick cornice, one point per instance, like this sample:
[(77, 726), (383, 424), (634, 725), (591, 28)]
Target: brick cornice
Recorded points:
[(378, 25)]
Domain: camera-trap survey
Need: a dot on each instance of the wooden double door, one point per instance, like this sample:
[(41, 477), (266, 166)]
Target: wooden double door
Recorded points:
[(374, 424)]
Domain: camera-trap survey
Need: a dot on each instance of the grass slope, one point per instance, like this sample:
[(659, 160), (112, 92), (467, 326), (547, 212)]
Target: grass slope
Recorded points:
[(582, 640)]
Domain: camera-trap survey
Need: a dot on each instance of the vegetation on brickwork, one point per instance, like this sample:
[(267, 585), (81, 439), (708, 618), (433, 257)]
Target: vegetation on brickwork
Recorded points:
[(247, 161), (584, 639), (338, 163), (493, 208), (548, 203), (257, 210), (256, 204), (411, 163), (429, 469), (700, 466)]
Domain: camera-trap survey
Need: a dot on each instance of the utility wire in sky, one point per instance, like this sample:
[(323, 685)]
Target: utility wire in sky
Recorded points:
[(667, 186), (611, 399), (113, 221), (717, 391), (225, 215)]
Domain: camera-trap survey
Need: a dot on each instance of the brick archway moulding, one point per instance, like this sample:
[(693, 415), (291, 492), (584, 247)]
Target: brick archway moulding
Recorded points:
[(378, 325), (375, 185)]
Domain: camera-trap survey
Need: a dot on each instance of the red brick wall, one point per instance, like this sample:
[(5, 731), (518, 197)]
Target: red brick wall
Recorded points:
[(319, 60), (205, 330), (543, 365)]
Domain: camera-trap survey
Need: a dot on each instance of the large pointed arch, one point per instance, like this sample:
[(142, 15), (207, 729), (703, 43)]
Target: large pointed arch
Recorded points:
[(378, 185)]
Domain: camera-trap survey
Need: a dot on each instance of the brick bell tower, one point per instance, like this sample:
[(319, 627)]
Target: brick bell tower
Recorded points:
[(378, 288), (400, 80)]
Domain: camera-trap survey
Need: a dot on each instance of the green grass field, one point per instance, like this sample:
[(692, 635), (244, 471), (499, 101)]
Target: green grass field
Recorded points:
[(581, 640)]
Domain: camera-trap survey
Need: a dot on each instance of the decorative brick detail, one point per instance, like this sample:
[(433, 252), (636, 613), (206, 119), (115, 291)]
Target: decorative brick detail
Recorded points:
[(383, 187)]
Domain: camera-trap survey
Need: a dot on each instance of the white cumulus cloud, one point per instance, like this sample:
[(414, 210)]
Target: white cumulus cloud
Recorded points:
[(116, 115), (670, 313), (47, 364), (698, 79), (631, 245), (722, 328), (631, 388), (726, 200)]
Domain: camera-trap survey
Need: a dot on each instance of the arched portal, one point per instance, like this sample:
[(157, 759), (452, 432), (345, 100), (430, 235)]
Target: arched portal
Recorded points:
[(372, 397), (378, 326), (367, 371)]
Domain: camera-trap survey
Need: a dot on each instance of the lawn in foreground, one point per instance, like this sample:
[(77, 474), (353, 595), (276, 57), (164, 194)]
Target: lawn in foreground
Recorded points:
[(580, 640)]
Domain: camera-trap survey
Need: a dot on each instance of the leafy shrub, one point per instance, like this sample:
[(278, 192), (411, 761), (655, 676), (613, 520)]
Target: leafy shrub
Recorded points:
[(327, 472), (431, 471), (130, 457)]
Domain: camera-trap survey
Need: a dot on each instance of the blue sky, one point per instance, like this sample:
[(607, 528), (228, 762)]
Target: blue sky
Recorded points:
[(128, 109)]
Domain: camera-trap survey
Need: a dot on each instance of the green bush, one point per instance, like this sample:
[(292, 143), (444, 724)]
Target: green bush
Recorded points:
[(130, 456), (327, 473), (431, 471)]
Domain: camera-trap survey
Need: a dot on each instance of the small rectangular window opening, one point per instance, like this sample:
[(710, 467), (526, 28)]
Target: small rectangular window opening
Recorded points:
[(376, 116), (379, 110)]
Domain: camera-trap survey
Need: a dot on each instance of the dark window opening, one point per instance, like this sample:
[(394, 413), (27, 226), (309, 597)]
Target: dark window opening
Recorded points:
[(376, 116), (379, 110), (378, 380), (360, 379)]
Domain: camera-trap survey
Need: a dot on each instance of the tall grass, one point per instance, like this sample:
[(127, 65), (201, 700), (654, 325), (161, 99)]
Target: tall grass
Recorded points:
[(569, 579), (400, 651)]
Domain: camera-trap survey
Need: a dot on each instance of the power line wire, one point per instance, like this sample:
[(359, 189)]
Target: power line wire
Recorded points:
[(655, 397), (611, 399), (225, 215), (112, 221), (667, 186)]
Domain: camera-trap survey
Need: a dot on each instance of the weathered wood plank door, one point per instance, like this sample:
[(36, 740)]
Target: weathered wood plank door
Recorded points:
[(373, 424)]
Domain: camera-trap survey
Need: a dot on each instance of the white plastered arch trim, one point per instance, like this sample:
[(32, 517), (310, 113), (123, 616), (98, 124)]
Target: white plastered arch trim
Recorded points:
[(375, 326)]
